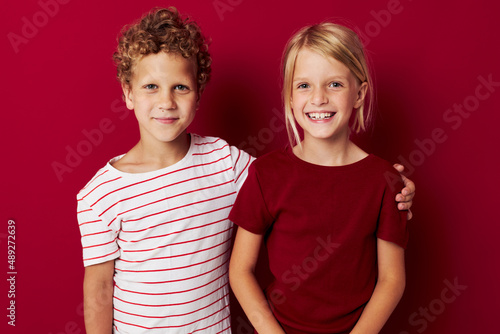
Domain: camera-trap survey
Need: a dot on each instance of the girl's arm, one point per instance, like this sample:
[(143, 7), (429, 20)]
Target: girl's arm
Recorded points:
[(98, 297), (244, 283), (388, 291), (405, 197)]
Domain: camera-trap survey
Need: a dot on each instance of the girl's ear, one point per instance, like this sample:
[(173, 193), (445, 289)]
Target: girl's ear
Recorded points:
[(360, 98), (127, 96)]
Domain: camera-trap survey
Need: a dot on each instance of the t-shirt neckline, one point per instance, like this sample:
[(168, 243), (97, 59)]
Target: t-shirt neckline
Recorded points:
[(175, 166), (305, 164)]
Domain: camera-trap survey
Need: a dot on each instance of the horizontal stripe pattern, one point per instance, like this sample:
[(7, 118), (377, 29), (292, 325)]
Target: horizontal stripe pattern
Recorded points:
[(169, 235)]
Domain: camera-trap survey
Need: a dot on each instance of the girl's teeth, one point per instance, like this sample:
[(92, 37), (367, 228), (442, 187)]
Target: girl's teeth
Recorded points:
[(319, 116)]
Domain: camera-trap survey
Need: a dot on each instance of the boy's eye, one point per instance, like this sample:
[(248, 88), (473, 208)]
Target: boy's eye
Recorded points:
[(151, 86), (181, 87)]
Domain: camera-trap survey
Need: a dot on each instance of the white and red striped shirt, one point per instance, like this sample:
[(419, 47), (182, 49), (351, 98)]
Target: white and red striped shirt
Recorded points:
[(169, 234)]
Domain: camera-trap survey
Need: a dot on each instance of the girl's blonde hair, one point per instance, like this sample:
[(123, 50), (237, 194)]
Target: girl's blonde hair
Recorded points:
[(329, 40)]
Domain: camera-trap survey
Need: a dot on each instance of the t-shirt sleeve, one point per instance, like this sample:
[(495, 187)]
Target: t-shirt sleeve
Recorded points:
[(241, 161), (250, 211), (392, 224), (98, 240)]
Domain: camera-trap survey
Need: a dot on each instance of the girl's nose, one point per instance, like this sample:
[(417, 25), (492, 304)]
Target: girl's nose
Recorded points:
[(319, 97)]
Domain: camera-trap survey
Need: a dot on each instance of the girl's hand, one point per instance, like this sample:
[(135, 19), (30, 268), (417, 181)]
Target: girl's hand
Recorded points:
[(405, 198)]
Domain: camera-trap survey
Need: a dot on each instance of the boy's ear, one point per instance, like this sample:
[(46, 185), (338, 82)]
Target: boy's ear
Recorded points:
[(360, 98), (127, 95)]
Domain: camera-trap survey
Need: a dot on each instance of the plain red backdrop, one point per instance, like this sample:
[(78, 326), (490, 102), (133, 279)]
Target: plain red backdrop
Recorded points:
[(438, 85)]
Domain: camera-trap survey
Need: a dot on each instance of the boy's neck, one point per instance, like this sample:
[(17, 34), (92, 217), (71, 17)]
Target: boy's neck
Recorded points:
[(144, 157), (338, 152)]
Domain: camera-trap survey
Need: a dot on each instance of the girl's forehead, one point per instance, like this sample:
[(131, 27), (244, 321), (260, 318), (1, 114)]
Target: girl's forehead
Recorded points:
[(313, 62)]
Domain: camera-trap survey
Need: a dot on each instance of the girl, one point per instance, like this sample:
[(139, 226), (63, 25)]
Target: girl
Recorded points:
[(324, 208)]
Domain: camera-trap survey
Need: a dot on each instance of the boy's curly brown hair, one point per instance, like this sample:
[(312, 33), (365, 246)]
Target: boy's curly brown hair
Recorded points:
[(164, 30)]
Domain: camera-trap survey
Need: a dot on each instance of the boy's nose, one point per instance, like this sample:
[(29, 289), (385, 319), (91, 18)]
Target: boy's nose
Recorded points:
[(167, 101)]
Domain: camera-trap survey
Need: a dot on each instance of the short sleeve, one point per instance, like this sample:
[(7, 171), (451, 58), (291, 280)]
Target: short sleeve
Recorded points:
[(241, 161), (392, 224), (250, 211), (99, 241)]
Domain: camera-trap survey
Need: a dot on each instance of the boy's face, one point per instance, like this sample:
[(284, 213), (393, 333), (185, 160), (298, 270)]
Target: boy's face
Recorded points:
[(163, 93)]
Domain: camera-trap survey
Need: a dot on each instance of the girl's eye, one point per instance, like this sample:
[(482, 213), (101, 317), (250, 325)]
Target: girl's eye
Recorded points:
[(303, 86), (151, 86), (335, 84)]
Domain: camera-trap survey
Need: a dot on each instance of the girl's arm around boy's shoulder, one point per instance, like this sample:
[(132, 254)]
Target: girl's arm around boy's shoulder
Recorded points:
[(388, 290), (405, 197), (402, 187)]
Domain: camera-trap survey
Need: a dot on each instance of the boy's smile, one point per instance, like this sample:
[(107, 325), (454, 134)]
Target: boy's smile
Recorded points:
[(163, 93)]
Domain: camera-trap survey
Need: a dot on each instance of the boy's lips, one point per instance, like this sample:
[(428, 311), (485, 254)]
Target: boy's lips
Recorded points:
[(166, 120)]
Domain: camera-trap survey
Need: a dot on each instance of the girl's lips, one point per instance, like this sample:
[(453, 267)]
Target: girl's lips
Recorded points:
[(320, 117)]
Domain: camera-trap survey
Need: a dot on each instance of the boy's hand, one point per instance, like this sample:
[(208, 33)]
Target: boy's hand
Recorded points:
[(405, 198)]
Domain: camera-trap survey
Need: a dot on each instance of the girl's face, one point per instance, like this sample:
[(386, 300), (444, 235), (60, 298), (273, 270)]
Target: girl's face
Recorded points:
[(324, 94)]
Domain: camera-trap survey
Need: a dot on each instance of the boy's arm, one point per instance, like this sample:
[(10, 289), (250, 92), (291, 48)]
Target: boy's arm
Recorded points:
[(388, 291), (98, 297), (244, 283), (405, 198)]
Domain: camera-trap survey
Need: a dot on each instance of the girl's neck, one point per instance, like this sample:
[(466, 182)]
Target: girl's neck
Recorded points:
[(338, 152)]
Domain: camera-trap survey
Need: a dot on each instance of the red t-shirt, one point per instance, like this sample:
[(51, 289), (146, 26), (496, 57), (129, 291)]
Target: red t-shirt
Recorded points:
[(321, 226)]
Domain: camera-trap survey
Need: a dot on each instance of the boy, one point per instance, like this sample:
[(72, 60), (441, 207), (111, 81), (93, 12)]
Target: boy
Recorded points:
[(155, 234)]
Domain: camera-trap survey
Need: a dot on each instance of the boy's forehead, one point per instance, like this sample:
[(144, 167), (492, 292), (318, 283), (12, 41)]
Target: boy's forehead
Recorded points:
[(167, 56), (156, 63)]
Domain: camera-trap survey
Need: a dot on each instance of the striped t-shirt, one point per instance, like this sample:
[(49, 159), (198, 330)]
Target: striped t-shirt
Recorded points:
[(169, 234)]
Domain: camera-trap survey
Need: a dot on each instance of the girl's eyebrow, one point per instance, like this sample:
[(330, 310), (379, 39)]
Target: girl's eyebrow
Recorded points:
[(334, 77)]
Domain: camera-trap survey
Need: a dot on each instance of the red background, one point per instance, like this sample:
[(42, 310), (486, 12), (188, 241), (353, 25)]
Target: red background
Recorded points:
[(58, 84)]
